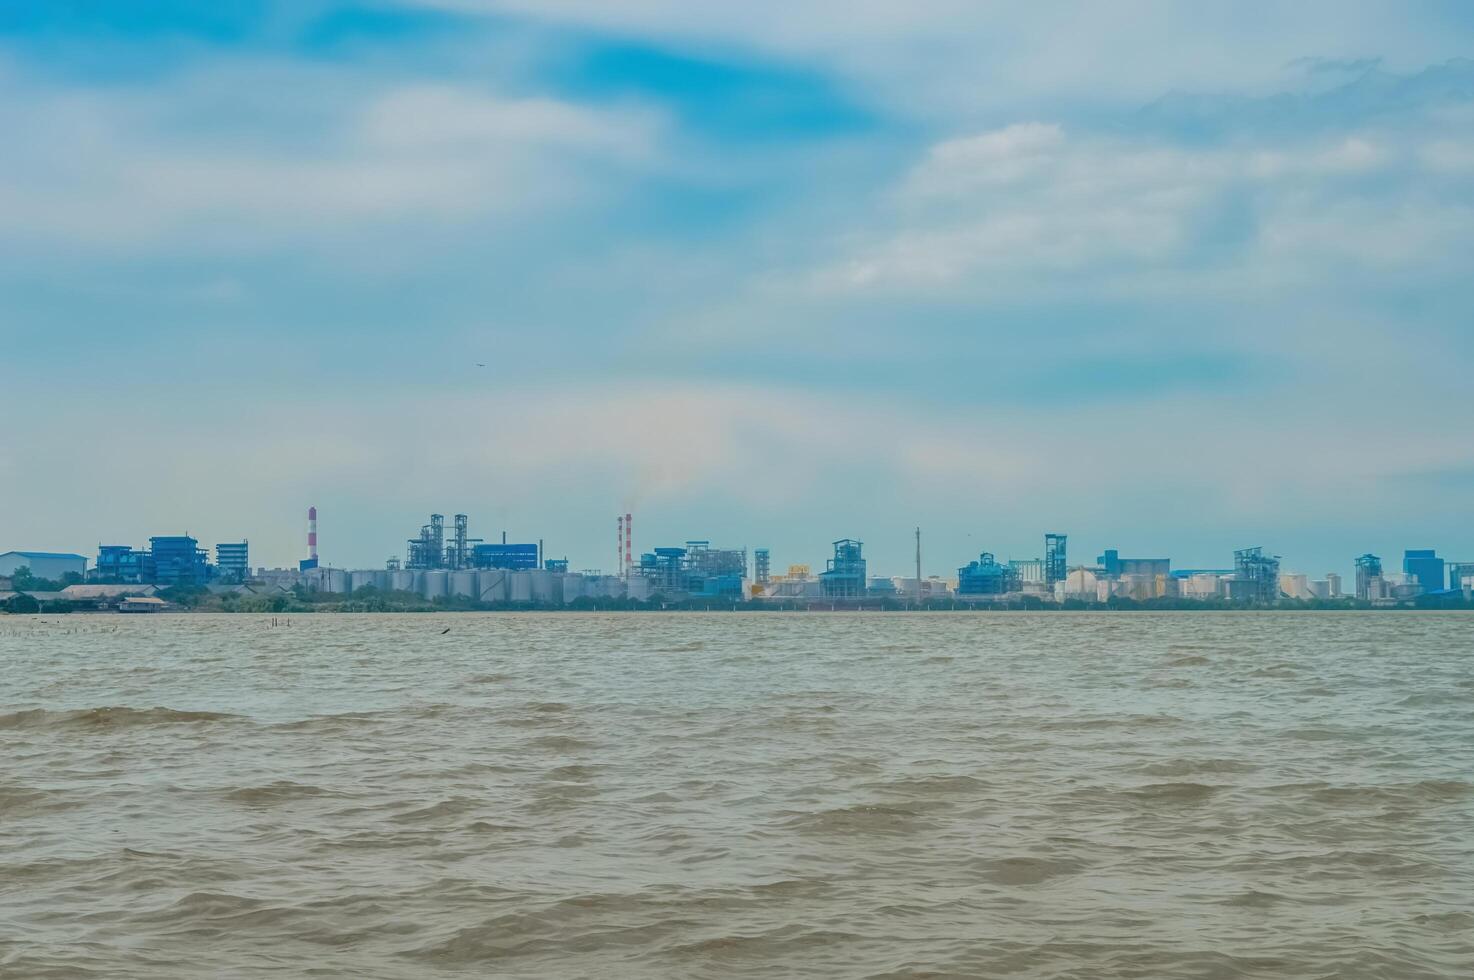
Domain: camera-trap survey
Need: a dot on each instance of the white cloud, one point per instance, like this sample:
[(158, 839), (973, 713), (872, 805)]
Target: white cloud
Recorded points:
[(134, 165), (1005, 209)]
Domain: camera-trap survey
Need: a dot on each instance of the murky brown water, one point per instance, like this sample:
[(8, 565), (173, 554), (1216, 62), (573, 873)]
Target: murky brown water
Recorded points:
[(738, 795)]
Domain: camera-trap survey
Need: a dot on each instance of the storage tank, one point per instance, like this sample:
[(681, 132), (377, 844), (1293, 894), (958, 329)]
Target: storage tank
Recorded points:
[(463, 583), (520, 587), (362, 579), (637, 587), (434, 584), (491, 585), (573, 587), (545, 588), (402, 580)]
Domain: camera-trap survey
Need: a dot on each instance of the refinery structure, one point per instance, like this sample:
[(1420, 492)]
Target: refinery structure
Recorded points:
[(443, 563)]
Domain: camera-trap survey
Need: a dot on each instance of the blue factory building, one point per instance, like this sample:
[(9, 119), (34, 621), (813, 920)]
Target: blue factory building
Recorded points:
[(986, 576), (697, 570), (503, 555), (1422, 565), (844, 575), (122, 563), (178, 559), (1113, 565), (233, 561)]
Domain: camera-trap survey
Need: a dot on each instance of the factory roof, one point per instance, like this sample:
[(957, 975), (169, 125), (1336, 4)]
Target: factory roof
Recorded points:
[(106, 591), (42, 554)]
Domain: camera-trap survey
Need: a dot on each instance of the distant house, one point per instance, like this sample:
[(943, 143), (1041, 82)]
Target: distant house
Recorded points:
[(43, 564), (141, 603)]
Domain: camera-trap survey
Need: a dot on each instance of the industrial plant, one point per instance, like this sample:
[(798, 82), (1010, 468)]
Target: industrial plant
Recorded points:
[(444, 564)]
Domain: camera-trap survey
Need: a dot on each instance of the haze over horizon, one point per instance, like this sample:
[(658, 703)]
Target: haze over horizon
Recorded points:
[(1169, 279)]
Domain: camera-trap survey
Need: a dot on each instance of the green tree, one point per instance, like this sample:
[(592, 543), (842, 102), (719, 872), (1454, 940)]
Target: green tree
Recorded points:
[(22, 604)]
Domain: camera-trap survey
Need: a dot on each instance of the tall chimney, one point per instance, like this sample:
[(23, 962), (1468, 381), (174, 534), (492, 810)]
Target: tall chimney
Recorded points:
[(629, 548), (312, 533)]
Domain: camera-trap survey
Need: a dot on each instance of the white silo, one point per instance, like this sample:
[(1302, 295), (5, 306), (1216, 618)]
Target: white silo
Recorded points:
[(435, 584)]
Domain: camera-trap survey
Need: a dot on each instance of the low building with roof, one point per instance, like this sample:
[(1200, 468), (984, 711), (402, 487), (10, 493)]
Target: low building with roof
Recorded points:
[(141, 603)]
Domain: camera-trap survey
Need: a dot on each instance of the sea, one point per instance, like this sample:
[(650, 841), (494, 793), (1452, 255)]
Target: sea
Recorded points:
[(734, 794)]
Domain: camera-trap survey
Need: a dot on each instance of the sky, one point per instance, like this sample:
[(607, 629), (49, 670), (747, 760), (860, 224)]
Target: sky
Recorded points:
[(1170, 278)]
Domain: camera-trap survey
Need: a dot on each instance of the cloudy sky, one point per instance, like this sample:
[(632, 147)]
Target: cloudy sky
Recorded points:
[(1172, 278)]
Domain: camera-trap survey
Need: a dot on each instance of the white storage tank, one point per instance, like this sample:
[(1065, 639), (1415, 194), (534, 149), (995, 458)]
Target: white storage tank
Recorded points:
[(402, 580), (362, 579), (491, 584), (435, 584), (463, 583), (520, 587), (573, 587), (545, 588)]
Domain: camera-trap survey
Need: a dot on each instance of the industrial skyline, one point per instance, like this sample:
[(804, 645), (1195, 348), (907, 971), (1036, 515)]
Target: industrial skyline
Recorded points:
[(441, 562)]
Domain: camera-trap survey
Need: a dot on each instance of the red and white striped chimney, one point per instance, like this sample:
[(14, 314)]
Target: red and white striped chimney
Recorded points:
[(619, 548), (312, 533)]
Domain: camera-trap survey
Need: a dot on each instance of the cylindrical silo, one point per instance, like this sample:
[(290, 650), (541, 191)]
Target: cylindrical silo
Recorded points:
[(520, 587), (491, 585), (435, 584), (463, 583)]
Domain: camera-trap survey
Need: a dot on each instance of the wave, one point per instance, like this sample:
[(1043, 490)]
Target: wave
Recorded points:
[(281, 791), (862, 819), (1184, 792), (106, 718), (1024, 870)]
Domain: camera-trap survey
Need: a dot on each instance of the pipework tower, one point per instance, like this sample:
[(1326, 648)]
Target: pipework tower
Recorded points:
[(1054, 559)]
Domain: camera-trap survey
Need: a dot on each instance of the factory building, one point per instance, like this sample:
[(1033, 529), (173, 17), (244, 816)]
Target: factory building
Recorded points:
[(177, 559), (1424, 567), (122, 563), (53, 565), (986, 577), (844, 575), (698, 569), (504, 555), (233, 561), (1112, 565)]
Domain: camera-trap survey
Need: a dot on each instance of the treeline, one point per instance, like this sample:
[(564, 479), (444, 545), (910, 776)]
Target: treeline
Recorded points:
[(371, 600)]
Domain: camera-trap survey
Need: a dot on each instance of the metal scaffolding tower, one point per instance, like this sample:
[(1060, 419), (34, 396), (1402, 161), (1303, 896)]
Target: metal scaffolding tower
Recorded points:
[(1259, 572), (1054, 559), (1368, 567)]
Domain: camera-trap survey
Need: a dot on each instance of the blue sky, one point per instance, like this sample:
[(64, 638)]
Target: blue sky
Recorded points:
[(1171, 278)]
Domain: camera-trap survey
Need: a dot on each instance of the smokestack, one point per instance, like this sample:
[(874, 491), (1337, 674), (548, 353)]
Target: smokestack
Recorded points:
[(918, 565), (312, 533), (619, 548), (629, 549)]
